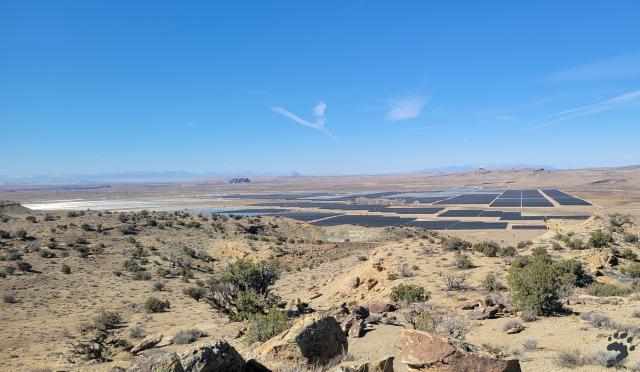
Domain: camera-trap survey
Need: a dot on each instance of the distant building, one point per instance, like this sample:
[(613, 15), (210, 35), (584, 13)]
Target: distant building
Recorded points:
[(239, 180)]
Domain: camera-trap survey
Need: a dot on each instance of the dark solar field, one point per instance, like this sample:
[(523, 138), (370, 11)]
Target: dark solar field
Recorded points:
[(420, 201)]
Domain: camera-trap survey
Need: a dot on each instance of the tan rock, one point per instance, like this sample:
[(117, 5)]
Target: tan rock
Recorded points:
[(423, 351), (147, 343)]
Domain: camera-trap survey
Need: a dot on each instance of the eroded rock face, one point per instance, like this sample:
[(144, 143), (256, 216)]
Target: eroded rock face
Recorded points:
[(207, 358), (316, 339), (383, 365), (422, 351)]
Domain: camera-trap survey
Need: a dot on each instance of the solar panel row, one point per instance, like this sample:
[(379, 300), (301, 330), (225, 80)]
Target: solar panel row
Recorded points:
[(563, 198)]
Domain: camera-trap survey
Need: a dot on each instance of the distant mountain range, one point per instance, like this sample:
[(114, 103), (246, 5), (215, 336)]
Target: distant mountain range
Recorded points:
[(161, 176)]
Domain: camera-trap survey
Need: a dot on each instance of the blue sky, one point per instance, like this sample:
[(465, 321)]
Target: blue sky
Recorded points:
[(332, 87)]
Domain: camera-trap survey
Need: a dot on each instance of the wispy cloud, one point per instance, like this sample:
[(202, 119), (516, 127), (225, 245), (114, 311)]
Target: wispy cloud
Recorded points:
[(318, 112), (617, 102), (618, 67), (406, 109), (609, 104)]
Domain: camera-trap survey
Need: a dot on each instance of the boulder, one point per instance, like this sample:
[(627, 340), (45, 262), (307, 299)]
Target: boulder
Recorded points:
[(360, 312), (147, 343), (217, 357), (422, 351), (381, 308), (469, 305), (371, 283), (355, 282), (207, 358), (315, 339), (357, 329), (484, 313)]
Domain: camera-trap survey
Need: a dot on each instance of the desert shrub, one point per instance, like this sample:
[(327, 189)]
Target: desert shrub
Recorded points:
[(136, 331), (409, 292), (243, 288), (512, 326), (107, 320), (628, 254), (575, 358), (607, 290), (21, 234), (630, 237), (24, 266), (186, 336), (556, 246), (633, 270), (530, 343), (128, 230), (193, 225), (524, 244), (572, 273), (600, 239), (132, 266), (462, 261), (9, 270), (454, 282), (163, 272), (141, 275), (456, 244), (154, 305), (619, 220), (65, 269), (158, 286), (72, 214), (5, 234), (197, 293), (599, 320), (444, 324), (491, 283), (97, 338), (575, 244), (508, 251), (47, 254), (86, 227), (263, 327), (534, 284), (9, 298), (487, 248)]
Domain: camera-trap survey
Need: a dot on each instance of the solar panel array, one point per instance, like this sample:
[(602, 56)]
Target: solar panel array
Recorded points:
[(563, 198), (521, 198)]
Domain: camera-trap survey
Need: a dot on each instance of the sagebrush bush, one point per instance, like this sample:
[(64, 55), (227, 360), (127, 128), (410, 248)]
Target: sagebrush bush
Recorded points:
[(186, 336), (487, 248), (454, 282), (65, 269), (154, 305), (530, 343), (463, 262), (443, 324), (607, 290), (456, 244), (409, 292), (197, 293), (600, 239), (9, 298), (633, 270), (491, 283), (262, 327)]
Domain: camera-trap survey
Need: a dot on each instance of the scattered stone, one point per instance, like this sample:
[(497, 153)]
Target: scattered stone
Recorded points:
[(147, 343), (371, 283), (381, 308), (355, 282), (383, 365)]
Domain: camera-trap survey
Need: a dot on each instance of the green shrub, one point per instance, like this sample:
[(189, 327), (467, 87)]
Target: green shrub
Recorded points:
[(65, 269), (534, 284), (21, 234), (154, 305), (487, 248), (606, 290), (456, 244), (633, 270), (491, 283), (107, 320), (628, 254), (509, 251), (462, 261), (409, 292), (243, 288), (263, 327), (196, 293), (142, 275), (630, 238), (600, 239), (575, 244)]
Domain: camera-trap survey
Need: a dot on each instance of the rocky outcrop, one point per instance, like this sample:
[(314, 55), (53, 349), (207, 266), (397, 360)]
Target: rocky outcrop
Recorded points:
[(207, 358), (422, 351), (147, 343), (316, 339)]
